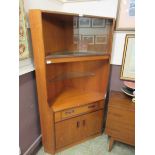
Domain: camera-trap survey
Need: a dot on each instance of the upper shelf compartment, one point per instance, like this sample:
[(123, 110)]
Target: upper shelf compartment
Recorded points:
[(68, 37)]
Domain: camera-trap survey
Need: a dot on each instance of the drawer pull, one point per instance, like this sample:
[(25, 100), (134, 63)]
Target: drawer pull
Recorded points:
[(78, 124), (69, 112), (92, 106)]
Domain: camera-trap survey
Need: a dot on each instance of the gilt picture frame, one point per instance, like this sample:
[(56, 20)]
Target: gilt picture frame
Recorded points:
[(128, 60)]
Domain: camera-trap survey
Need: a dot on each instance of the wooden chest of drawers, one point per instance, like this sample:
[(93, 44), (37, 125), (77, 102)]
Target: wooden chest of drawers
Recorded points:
[(120, 124)]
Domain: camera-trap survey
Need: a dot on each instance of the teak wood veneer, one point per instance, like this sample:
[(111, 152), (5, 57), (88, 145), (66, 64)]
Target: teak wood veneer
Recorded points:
[(120, 124), (70, 89)]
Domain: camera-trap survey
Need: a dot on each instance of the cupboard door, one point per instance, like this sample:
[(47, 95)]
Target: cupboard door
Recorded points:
[(68, 132), (92, 123)]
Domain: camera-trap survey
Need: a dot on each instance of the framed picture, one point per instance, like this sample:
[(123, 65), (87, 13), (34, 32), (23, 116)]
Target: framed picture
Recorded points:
[(89, 39), (84, 22), (76, 38), (98, 22), (126, 15), (108, 22), (24, 52), (101, 39), (128, 61), (75, 22)]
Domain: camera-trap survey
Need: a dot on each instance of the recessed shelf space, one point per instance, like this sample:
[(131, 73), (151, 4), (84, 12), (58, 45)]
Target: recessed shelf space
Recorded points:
[(71, 75), (72, 97)]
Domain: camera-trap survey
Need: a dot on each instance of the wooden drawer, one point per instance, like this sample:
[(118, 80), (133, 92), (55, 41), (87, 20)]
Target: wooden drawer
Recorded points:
[(122, 135), (125, 117), (62, 115), (115, 125)]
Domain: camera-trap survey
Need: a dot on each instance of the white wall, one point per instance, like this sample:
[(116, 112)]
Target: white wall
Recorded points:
[(118, 47), (101, 8), (43, 4)]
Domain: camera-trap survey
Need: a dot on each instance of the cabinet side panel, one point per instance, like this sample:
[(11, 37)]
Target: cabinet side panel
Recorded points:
[(46, 116), (53, 33), (111, 37)]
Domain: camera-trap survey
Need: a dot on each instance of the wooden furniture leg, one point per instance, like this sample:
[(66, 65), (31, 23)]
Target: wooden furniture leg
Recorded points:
[(111, 143)]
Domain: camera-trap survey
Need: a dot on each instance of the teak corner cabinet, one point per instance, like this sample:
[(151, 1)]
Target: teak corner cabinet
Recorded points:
[(71, 55)]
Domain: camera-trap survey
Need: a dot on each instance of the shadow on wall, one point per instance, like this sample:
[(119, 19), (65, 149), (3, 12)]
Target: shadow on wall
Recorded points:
[(29, 125), (115, 82)]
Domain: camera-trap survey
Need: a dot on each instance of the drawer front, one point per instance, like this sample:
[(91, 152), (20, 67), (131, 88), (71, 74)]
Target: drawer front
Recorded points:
[(124, 136), (77, 111), (122, 116), (115, 125)]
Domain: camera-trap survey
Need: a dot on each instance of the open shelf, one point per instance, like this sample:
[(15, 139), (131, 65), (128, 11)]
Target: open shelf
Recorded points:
[(78, 56), (74, 98), (71, 75)]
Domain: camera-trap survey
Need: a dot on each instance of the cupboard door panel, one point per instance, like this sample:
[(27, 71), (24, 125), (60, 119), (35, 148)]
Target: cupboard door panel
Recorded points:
[(67, 132), (92, 123)]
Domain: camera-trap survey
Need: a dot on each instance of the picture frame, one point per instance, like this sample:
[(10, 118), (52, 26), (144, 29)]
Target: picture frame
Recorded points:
[(75, 22), (101, 39), (24, 50), (84, 22), (89, 39), (108, 22), (98, 22), (76, 38), (128, 60), (125, 20)]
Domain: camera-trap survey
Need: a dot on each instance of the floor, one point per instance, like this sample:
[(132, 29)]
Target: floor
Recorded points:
[(96, 146)]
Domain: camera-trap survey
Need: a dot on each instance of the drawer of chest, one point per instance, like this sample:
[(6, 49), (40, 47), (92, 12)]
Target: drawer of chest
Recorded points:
[(121, 115), (115, 125), (126, 136), (77, 111)]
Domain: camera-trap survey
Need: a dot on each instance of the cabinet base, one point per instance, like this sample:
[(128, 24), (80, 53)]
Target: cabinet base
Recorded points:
[(76, 143)]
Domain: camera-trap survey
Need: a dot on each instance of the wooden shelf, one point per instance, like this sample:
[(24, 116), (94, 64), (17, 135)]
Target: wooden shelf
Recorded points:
[(71, 98), (50, 60)]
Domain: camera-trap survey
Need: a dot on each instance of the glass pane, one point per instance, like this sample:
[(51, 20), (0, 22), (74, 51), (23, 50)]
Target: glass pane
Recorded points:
[(69, 35)]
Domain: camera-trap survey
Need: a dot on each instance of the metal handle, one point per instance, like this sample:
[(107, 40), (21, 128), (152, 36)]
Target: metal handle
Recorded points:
[(69, 112), (84, 122), (92, 106), (78, 124)]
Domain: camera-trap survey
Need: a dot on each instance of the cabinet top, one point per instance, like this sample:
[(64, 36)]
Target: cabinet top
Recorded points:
[(121, 100), (68, 13)]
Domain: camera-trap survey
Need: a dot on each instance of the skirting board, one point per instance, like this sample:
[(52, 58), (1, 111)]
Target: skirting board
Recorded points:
[(34, 145)]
